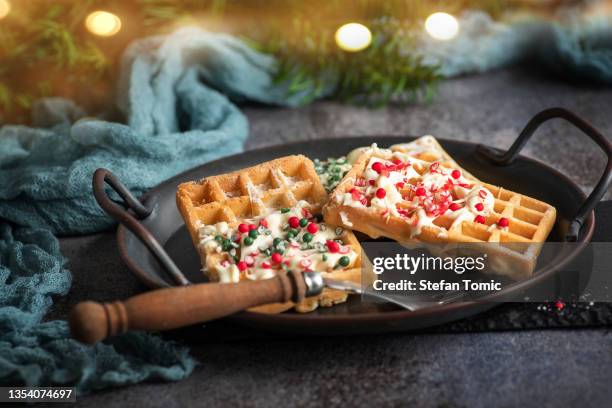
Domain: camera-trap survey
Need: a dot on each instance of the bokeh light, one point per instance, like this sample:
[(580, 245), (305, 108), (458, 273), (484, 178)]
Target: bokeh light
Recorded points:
[(353, 37), (5, 8), (442, 26), (103, 23)]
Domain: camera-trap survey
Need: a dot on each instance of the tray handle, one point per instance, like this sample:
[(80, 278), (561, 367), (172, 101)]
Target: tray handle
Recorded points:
[(131, 222), (506, 158)]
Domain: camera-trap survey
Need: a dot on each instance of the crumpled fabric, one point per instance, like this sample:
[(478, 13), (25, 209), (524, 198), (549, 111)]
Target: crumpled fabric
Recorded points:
[(580, 51), (174, 93), (37, 353), (574, 49)]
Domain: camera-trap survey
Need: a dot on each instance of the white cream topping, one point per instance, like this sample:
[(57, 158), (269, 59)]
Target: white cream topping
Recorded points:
[(296, 252), (436, 182)]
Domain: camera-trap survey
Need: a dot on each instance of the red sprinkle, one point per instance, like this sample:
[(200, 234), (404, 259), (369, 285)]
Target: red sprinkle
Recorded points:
[(243, 228), (355, 194), (420, 191), (503, 222), (399, 185), (434, 167), (238, 237), (559, 305), (266, 265), (264, 223), (252, 227), (455, 174), (480, 219), (454, 206), (396, 161), (479, 206), (381, 193), (294, 222), (377, 167), (482, 194), (277, 258), (332, 246), (371, 182), (242, 266), (312, 228)]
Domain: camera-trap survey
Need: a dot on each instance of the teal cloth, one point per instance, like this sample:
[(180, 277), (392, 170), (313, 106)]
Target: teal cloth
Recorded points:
[(581, 52), (173, 93), (578, 49), (32, 270)]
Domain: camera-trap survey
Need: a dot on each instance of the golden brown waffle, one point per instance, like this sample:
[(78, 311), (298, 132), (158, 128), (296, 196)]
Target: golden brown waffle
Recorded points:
[(427, 202), (274, 191)]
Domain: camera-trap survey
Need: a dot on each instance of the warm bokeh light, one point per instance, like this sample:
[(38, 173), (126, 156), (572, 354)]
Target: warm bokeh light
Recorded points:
[(5, 8), (353, 37), (103, 23), (442, 26)]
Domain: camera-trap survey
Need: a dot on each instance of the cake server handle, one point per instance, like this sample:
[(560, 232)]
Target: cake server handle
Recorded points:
[(171, 308)]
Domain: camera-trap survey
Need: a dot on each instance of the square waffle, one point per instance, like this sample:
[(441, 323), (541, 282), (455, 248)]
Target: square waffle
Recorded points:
[(264, 220), (399, 196)]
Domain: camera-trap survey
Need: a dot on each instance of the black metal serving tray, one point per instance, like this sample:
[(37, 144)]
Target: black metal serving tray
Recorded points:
[(156, 247)]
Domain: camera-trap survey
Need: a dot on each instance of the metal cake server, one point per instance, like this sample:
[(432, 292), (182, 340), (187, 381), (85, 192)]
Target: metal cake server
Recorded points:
[(406, 302), (171, 308)]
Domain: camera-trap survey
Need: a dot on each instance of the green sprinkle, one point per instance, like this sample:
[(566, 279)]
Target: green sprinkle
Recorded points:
[(295, 232), (280, 250), (248, 241), (219, 239), (236, 259), (253, 234), (344, 261), (285, 210), (324, 257), (307, 237), (277, 241), (303, 222), (227, 245)]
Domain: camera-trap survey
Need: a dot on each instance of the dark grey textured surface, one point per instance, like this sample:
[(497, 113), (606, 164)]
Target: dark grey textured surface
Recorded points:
[(526, 368)]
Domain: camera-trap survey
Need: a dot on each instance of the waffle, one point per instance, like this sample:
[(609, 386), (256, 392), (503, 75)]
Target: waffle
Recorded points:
[(244, 227), (396, 195)]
